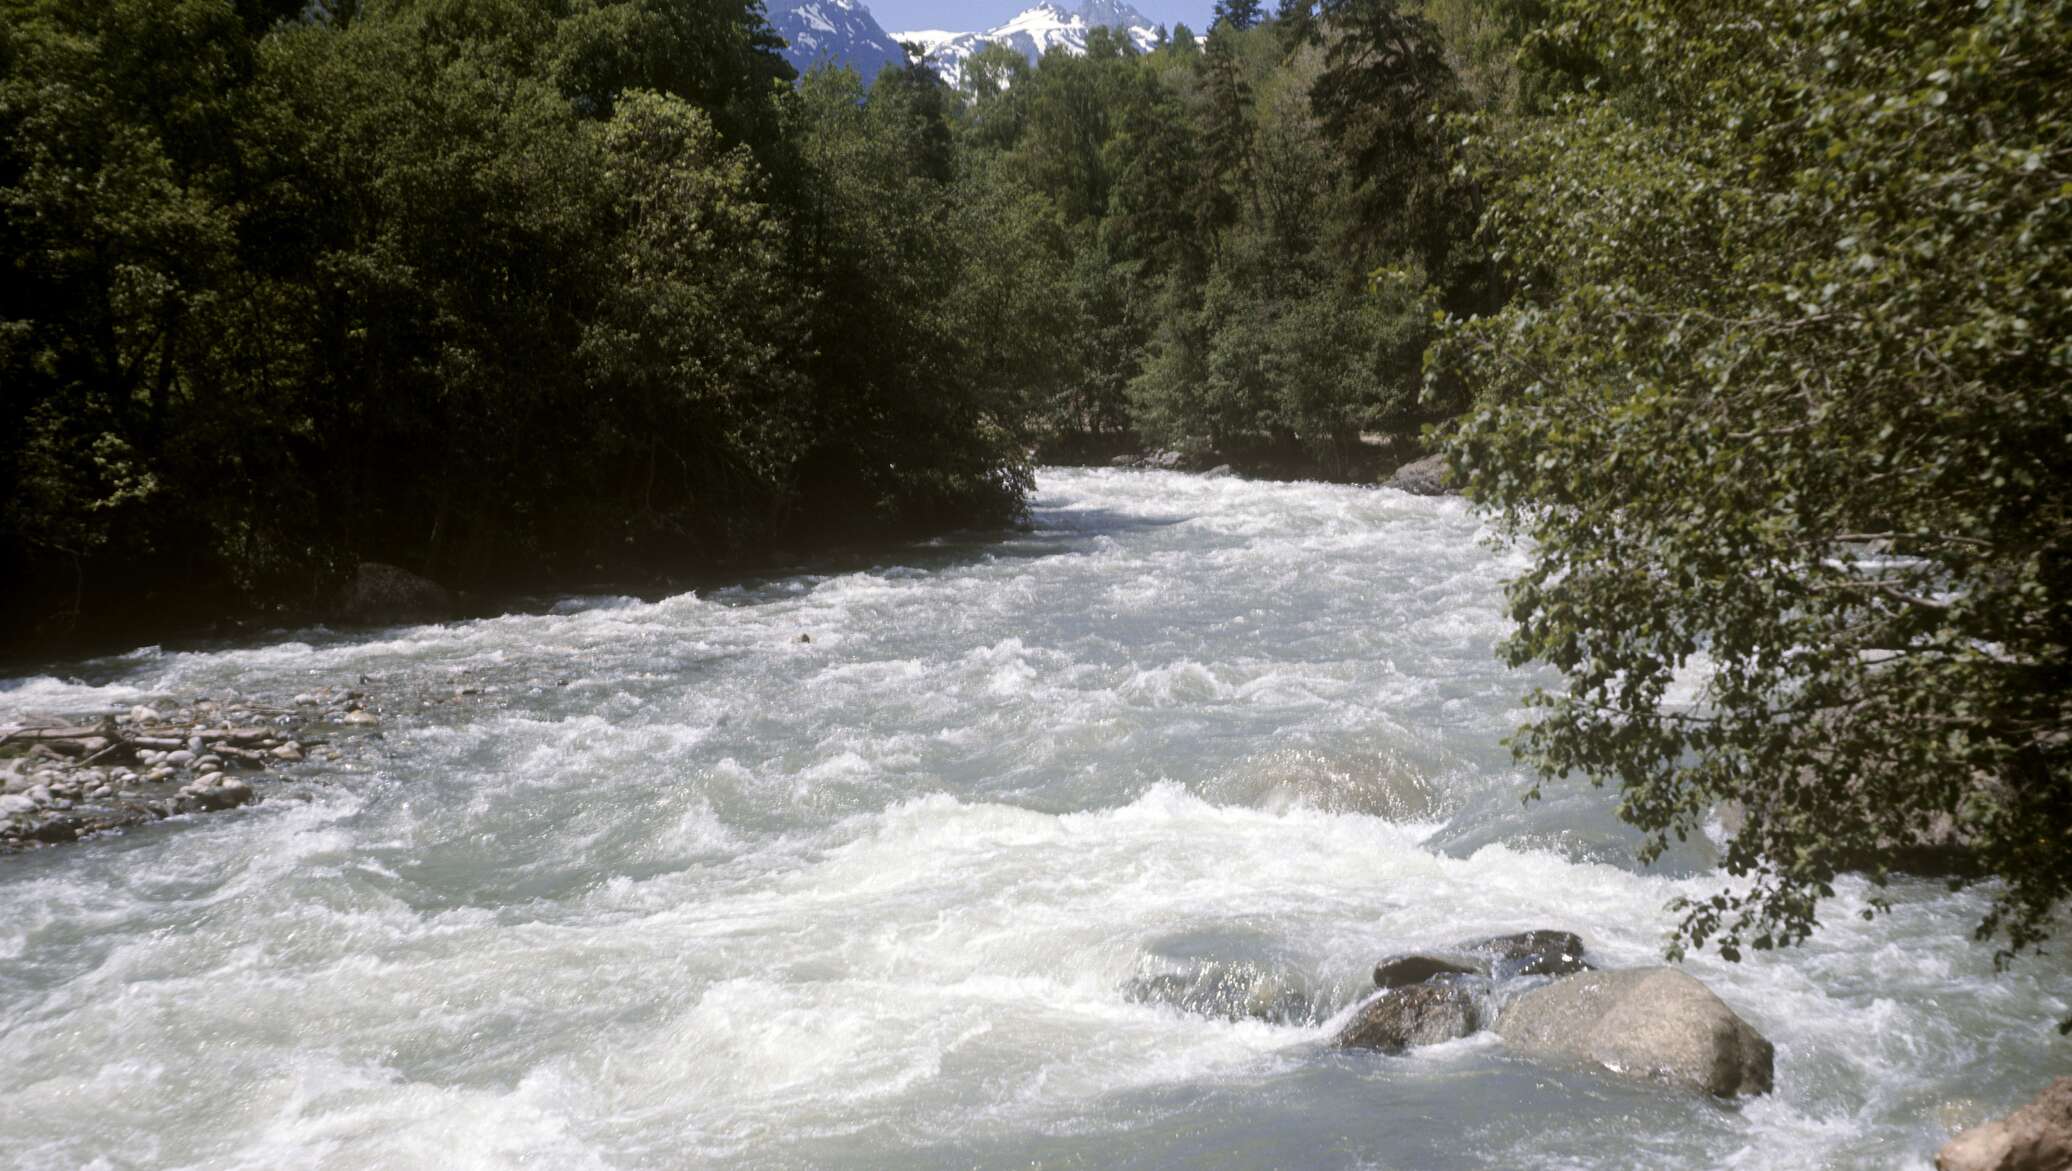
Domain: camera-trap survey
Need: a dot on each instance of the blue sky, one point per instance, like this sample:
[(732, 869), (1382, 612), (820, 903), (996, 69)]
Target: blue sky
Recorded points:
[(899, 15)]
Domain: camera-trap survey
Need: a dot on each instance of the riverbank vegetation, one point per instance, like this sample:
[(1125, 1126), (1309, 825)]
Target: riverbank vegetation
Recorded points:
[(500, 290)]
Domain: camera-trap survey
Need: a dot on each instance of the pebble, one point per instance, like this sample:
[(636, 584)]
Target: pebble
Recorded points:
[(361, 718), (179, 758)]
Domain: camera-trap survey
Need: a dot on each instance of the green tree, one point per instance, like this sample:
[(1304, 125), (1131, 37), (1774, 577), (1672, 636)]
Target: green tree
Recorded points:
[(1238, 15), (1795, 435)]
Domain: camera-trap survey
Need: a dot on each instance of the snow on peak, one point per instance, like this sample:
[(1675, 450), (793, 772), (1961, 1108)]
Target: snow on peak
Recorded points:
[(1033, 32)]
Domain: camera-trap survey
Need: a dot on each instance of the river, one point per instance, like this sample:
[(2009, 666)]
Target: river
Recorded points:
[(683, 888)]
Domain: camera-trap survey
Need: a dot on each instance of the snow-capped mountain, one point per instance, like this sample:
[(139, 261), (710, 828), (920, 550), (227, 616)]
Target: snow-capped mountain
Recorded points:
[(841, 31), (1033, 32)]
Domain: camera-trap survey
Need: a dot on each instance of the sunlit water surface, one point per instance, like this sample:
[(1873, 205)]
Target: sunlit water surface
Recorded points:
[(685, 890)]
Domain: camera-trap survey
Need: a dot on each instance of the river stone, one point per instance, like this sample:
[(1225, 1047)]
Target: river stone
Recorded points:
[(1401, 971), (1231, 991), (1531, 953), (381, 593), (1656, 1023), (2037, 1137), (1423, 1014), (1425, 477)]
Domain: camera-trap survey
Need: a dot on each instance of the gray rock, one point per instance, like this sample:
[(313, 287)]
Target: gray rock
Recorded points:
[(1656, 1023), (381, 594), (15, 803), (1531, 953), (2037, 1137), (1401, 971), (1230, 990), (179, 759), (1424, 477), (1423, 1014)]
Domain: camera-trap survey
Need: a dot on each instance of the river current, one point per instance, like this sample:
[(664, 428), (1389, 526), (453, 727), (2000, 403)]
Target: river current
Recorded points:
[(681, 888)]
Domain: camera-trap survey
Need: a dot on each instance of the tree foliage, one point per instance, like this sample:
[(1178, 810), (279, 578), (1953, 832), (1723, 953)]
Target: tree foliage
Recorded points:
[(501, 289), (1781, 403)]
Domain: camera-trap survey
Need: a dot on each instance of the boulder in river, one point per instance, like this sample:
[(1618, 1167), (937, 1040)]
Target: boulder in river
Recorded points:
[(1531, 953), (1401, 971), (1424, 477), (1422, 1014), (1656, 1023), (1230, 990), (381, 593), (2037, 1137)]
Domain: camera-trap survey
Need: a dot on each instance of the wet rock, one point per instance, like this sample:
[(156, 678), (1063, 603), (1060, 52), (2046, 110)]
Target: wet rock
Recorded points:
[(1531, 953), (180, 758), (289, 752), (56, 830), (205, 798), (2037, 1137), (1417, 968), (381, 593), (1655, 1023), (361, 718), (1425, 477), (1231, 991), (1401, 1018)]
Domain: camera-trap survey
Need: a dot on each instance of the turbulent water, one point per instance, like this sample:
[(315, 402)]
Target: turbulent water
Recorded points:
[(681, 888)]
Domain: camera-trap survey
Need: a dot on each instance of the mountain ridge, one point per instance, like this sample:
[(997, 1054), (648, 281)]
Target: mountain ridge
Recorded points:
[(844, 32)]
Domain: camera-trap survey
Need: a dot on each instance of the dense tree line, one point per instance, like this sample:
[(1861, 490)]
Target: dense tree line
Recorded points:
[(1247, 234), (501, 290)]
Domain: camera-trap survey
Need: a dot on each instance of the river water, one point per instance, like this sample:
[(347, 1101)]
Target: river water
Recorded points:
[(683, 889)]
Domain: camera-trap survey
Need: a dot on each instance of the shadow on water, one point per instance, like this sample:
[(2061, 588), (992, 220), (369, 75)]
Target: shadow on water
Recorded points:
[(1049, 532)]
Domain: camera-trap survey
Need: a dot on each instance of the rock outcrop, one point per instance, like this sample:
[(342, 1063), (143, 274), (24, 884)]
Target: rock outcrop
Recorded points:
[(1655, 1023), (381, 594), (1424, 477), (2037, 1137), (1422, 1014)]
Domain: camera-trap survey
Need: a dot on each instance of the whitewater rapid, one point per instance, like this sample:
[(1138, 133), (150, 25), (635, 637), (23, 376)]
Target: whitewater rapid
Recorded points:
[(853, 867)]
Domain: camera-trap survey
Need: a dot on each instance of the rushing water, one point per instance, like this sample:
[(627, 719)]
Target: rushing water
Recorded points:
[(682, 889)]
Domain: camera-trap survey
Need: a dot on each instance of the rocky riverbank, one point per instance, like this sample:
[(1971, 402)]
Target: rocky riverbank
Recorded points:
[(63, 779)]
